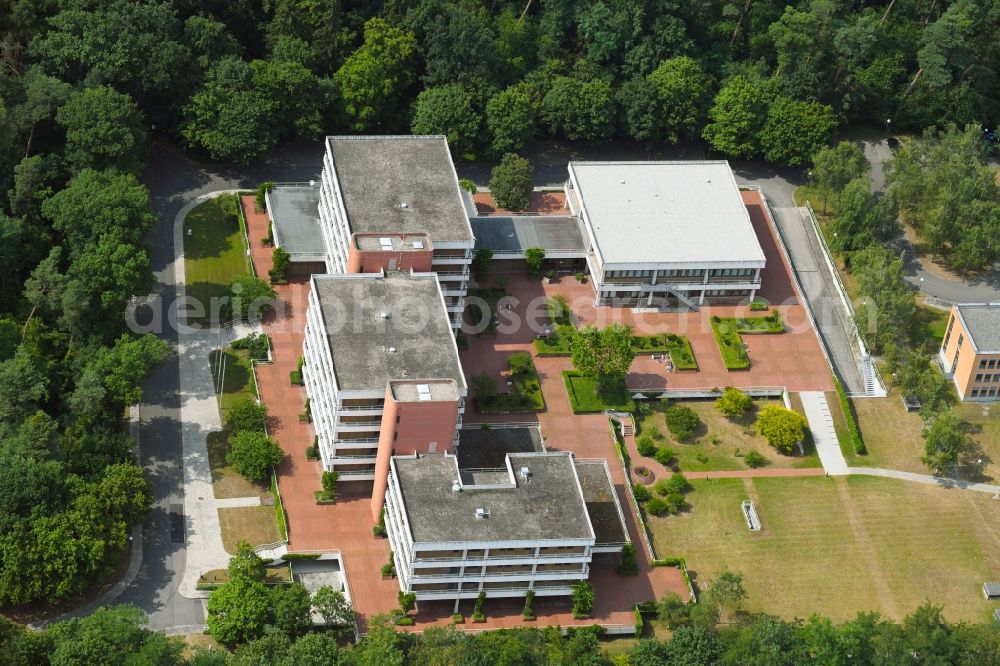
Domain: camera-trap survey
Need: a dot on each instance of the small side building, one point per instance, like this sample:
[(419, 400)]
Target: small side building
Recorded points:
[(970, 351), (665, 234), (294, 212), (456, 532)]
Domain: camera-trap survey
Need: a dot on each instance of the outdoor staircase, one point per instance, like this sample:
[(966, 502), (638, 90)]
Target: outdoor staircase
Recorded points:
[(683, 299), (873, 387), (272, 551), (624, 420)]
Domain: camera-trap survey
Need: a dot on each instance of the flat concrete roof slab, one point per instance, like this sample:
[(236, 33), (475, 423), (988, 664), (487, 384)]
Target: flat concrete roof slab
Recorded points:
[(549, 505), (667, 212), (400, 184), (520, 232), (294, 210), (413, 341)]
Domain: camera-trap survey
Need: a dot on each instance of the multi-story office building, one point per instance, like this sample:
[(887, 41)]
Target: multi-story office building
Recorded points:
[(534, 524), (381, 371), (663, 234), (386, 201), (970, 351)]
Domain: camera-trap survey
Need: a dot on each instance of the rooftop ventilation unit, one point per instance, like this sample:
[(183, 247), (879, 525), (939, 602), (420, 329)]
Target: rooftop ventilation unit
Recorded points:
[(423, 392), (384, 315), (392, 350), (525, 474), (482, 514), (403, 204), (385, 242), (418, 245), (456, 486)]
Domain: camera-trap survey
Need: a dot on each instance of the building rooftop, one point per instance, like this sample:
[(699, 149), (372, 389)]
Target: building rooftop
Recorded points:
[(383, 328), (549, 505), (667, 212), (602, 502), (516, 234), (400, 184), (982, 322), (416, 242), (294, 211)]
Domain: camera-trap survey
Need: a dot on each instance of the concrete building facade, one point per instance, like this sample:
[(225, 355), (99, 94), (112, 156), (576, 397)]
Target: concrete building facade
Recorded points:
[(525, 526), (381, 370), (662, 234), (391, 199), (970, 351)]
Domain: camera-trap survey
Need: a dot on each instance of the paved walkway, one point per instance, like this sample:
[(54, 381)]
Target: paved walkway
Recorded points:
[(940, 481), (824, 435), (757, 473)]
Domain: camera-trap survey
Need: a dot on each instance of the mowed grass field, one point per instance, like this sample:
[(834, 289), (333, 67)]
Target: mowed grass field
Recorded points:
[(840, 546), (893, 435), (214, 253)]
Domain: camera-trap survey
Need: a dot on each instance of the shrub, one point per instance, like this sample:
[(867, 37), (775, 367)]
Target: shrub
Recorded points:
[(329, 481), (645, 446), (405, 621), (529, 602), (280, 260), (852, 425), (558, 310), (641, 493), (253, 454), (627, 565), (673, 611), (758, 305), (655, 433), (407, 601), (754, 459), (510, 182), (535, 258), (733, 402), (246, 416), (675, 502), (656, 506), (312, 453), (256, 345), (681, 421), (250, 298), (477, 612), (262, 190), (677, 483), (583, 600), (458, 618), (481, 262), (521, 363), (664, 456), (468, 185), (378, 530), (389, 568), (581, 278), (782, 428)]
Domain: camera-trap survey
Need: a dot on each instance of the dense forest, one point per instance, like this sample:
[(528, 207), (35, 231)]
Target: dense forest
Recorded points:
[(85, 86), (113, 637)]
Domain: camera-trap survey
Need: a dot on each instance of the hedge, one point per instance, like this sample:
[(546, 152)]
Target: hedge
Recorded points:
[(852, 425)]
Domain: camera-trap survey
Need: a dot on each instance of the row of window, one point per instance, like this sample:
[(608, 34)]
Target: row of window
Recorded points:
[(684, 272), (987, 378), (984, 393), (988, 363)]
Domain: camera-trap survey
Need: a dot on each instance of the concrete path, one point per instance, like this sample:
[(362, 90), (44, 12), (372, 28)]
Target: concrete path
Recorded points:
[(199, 415), (824, 435), (943, 482)]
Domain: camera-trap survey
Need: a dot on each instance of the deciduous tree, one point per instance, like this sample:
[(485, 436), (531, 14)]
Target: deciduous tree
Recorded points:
[(604, 354), (782, 428)]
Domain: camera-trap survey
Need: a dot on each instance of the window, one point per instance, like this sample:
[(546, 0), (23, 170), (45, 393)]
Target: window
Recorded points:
[(975, 393), (993, 363), (979, 377), (982, 364)]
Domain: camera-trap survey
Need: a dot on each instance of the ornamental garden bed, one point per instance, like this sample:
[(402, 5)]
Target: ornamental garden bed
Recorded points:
[(585, 399), (526, 395), (729, 332)]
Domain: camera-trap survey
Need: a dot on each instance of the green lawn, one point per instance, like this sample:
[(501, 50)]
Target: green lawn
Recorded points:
[(214, 254), (237, 381), (928, 327), (585, 399), (557, 344), (237, 384), (678, 346), (840, 546), (720, 443)]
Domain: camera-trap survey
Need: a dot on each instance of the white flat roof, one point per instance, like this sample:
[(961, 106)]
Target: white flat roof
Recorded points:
[(666, 212)]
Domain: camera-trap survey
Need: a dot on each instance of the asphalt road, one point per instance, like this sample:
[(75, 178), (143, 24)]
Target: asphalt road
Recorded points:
[(173, 180)]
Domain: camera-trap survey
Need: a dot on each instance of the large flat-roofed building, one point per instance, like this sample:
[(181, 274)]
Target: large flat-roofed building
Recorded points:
[(381, 371), (456, 532), (970, 350), (394, 203), (665, 233)]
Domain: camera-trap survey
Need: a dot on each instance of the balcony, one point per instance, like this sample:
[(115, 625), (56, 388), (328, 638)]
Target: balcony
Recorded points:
[(355, 444), (362, 426)]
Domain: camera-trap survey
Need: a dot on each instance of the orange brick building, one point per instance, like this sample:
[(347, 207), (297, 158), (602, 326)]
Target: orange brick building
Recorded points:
[(970, 351)]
